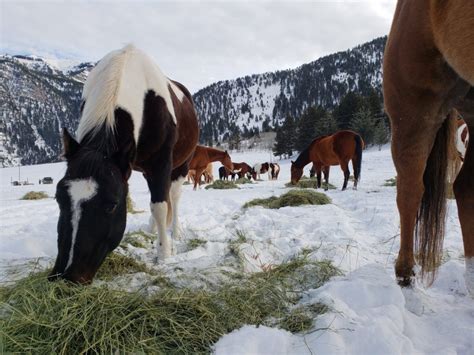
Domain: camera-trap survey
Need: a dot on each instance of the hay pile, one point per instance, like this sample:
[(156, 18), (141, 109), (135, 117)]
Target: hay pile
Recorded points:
[(222, 185), (291, 198), (35, 195), (310, 183), (56, 317)]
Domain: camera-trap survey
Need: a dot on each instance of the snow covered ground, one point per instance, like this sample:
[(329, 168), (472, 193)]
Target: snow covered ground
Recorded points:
[(369, 313)]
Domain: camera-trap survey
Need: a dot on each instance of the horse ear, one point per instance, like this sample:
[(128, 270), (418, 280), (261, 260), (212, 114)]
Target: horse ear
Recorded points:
[(70, 146), (124, 158)]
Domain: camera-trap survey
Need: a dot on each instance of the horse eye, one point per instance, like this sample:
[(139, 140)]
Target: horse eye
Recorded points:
[(111, 207)]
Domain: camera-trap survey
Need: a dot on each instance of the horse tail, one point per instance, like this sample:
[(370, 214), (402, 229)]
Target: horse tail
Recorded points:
[(358, 156), (430, 221)]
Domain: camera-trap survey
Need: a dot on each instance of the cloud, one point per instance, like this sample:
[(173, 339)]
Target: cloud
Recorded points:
[(195, 42)]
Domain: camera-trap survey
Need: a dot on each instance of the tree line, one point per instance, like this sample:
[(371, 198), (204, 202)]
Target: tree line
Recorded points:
[(362, 114)]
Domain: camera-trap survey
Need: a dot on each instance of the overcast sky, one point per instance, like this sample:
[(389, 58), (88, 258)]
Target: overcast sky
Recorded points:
[(194, 42)]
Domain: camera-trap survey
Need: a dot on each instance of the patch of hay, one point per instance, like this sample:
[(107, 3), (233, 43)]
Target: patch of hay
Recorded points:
[(35, 195), (38, 316), (243, 180), (117, 265), (195, 243), (310, 183), (222, 185), (131, 206), (294, 197), (391, 182)]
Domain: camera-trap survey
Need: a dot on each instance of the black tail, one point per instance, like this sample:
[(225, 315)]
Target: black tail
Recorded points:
[(358, 157)]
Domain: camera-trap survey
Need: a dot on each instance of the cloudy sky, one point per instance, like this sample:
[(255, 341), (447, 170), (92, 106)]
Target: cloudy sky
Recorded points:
[(195, 42)]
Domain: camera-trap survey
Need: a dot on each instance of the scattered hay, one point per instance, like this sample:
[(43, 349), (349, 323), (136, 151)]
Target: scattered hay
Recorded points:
[(391, 182), (310, 183), (131, 206), (195, 243), (117, 264), (222, 185), (291, 198), (35, 195), (138, 239), (186, 183), (243, 180), (38, 316)]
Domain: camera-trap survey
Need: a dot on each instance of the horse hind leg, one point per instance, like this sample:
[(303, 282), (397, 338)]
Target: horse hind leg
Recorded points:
[(347, 173), (464, 193), (326, 177)]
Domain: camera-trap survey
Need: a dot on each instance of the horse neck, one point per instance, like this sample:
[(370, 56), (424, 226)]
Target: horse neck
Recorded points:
[(303, 159), (215, 154)]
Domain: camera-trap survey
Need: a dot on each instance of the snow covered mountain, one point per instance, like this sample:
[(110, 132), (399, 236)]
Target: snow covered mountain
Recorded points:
[(37, 99), (259, 102), (39, 96)]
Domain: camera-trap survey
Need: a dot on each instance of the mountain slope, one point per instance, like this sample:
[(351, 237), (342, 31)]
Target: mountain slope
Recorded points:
[(263, 100)]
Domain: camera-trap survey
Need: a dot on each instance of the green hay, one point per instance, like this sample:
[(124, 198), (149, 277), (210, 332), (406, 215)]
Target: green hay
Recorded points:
[(391, 182), (35, 195), (291, 198), (38, 316), (131, 206), (138, 239), (186, 183), (117, 264), (243, 180), (195, 243), (222, 185), (311, 183)]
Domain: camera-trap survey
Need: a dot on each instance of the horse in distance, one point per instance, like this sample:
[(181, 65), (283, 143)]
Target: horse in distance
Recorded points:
[(337, 149)]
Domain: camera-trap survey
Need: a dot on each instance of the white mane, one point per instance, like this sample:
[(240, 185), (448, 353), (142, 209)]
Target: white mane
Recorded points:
[(121, 79)]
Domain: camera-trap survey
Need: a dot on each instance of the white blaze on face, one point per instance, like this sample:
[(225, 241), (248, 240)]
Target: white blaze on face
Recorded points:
[(80, 191)]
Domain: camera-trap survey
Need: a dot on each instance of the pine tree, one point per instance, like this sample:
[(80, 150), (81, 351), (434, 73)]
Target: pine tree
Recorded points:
[(326, 125), (307, 127), (290, 132), (381, 133), (364, 123), (347, 108), (279, 146)]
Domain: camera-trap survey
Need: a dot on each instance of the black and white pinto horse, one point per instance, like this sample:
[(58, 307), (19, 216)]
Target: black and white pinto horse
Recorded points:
[(132, 117), (273, 169)]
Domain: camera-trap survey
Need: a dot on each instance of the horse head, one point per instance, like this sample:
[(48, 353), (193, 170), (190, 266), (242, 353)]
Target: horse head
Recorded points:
[(92, 203), (296, 173)]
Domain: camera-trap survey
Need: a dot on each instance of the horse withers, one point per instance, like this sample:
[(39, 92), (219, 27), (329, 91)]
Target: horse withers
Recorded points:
[(337, 149), (132, 117), (429, 71)]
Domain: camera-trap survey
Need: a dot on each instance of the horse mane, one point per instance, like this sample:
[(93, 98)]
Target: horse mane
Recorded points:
[(100, 93), (103, 91), (303, 158)]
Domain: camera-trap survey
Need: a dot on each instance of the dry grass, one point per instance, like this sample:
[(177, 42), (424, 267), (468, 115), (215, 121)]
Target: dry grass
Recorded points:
[(222, 185), (35, 195), (294, 197), (38, 316), (131, 206), (310, 183)]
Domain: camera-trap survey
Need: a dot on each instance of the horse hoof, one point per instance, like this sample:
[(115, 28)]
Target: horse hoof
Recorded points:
[(405, 281)]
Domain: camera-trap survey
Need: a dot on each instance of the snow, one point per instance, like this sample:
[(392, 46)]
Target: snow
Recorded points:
[(369, 313)]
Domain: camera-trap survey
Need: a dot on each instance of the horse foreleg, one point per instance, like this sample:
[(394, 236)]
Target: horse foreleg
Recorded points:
[(326, 177), (159, 184), (464, 192), (318, 175), (197, 178)]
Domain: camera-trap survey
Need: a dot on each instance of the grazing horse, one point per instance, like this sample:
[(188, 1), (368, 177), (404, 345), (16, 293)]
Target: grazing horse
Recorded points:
[(336, 149), (274, 170), (132, 117), (244, 170), (205, 155), (429, 71)]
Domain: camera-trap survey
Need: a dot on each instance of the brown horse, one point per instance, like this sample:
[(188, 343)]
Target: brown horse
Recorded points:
[(428, 71), (273, 171), (244, 170), (205, 155), (336, 149)]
